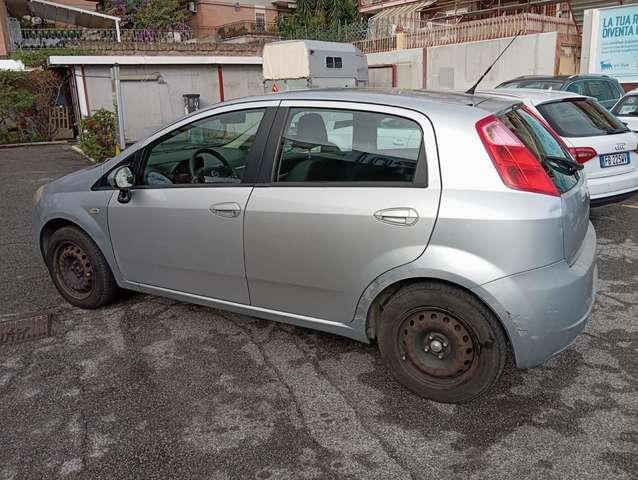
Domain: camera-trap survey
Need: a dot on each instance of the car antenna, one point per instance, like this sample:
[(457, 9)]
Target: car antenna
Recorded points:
[(472, 89)]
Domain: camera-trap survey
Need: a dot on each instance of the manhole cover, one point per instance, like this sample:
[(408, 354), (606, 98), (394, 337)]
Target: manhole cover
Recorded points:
[(23, 329)]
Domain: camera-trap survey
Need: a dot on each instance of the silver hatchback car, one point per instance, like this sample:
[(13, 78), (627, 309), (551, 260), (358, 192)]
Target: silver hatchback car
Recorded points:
[(451, 229)]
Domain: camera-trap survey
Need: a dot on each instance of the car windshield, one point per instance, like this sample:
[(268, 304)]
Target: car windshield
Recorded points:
[(542, 84), (581, 118), (547, 149), (627, 106)]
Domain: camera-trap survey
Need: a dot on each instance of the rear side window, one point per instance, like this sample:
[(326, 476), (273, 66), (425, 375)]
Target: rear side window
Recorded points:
[(600, 90), (580, 118), (326, 145), (545, 147)]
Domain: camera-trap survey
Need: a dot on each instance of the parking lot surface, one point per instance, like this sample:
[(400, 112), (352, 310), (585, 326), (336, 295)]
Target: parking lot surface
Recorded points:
[(152, 388)]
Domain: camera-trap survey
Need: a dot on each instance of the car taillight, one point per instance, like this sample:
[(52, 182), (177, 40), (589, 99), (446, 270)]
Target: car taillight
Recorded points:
[(515, 163), (582, 154)]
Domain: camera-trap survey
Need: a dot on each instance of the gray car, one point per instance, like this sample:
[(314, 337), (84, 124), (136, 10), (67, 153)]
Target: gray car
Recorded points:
[(451, 229)]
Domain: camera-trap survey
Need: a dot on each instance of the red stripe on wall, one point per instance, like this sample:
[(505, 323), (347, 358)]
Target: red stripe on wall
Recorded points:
[(220, 79)]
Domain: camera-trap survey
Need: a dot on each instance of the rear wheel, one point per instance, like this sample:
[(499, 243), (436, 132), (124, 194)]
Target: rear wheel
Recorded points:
[(441, 342), (79, 270)]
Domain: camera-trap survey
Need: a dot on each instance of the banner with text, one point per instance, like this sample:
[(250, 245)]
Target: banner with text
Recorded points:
[(617, 52)]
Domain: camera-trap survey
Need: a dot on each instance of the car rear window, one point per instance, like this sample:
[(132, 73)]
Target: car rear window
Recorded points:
[(580, 118), (543, 144), (627, 106)]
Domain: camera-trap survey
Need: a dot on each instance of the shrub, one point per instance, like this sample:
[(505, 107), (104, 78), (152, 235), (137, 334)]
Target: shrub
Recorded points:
[(97, 135), (26, 99), (38, 57)]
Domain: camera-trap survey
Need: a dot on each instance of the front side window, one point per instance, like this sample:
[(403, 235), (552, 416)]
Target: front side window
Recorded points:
[(543, 145), (627, 106), (325, 145), (212, 150), (580, 118)]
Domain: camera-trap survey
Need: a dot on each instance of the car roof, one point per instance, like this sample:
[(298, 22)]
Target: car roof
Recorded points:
[(426, 101), (559, 78), (532, 96)]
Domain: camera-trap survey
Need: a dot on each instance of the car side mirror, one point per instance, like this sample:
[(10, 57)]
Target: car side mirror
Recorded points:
[(123, 179)]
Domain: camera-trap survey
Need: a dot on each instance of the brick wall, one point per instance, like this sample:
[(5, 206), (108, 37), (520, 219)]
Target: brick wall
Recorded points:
[(210, 15)]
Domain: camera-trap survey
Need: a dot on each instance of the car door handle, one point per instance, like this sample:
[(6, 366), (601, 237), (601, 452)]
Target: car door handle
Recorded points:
[(397, 216), (227, 209)]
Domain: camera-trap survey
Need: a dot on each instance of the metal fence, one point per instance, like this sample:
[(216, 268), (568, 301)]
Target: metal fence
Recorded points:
[(63, 37), (369, 36), (432, 34), (349, 32)]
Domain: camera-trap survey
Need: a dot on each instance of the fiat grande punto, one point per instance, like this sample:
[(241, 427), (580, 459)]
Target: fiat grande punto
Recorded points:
[(451, 229)]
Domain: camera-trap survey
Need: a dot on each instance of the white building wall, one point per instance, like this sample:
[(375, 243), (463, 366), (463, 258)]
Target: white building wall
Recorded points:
[(458, 66), (409, 66), (242, 80), (151, 104)]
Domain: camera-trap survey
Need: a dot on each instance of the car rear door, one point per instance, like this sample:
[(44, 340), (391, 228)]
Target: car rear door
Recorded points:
[(339, 205), (626, 110)]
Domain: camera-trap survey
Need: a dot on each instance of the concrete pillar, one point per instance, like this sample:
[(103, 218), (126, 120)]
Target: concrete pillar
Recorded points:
[(4, 30), (401, 41)]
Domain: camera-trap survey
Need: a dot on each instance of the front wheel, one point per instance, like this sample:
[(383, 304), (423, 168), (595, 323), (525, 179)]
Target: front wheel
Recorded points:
[(79, 270), (441, 342)]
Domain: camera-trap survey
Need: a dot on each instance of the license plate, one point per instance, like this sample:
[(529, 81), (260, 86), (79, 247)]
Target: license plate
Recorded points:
[(614, 159)]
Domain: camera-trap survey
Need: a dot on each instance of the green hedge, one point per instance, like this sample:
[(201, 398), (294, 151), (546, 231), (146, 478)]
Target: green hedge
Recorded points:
[(97, 136)]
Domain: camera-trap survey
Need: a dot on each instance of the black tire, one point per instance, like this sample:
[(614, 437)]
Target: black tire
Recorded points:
[(79, 270), (441, 342)]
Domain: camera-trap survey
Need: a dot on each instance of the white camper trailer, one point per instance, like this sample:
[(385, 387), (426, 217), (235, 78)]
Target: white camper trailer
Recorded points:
[(301, 64)]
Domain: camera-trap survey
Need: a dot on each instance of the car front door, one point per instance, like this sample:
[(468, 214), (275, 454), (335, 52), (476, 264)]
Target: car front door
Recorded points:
[(182, 229), (349, 192)]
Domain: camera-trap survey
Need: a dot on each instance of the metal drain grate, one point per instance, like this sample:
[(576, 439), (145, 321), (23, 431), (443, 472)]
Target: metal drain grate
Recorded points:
[(25, 329)]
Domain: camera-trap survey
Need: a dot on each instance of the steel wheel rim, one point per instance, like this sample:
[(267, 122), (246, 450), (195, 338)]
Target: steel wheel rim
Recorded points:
[(437, 347), (74, 270)]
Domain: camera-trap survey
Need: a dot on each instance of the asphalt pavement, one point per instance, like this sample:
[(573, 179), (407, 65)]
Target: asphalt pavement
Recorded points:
[(156, 389)]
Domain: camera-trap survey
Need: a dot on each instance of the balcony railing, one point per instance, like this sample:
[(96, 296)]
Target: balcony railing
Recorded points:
[(469, 9), (429, 34)]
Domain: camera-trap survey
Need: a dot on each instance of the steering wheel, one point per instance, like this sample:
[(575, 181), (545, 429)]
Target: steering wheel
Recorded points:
[(192, 163)]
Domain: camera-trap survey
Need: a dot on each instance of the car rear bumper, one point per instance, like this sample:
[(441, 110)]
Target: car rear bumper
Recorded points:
[(543, 310), (602, 201), (612, 186)]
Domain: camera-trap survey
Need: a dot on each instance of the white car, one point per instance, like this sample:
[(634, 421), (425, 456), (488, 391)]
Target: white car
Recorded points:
[(627, 110), (598, 140)]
